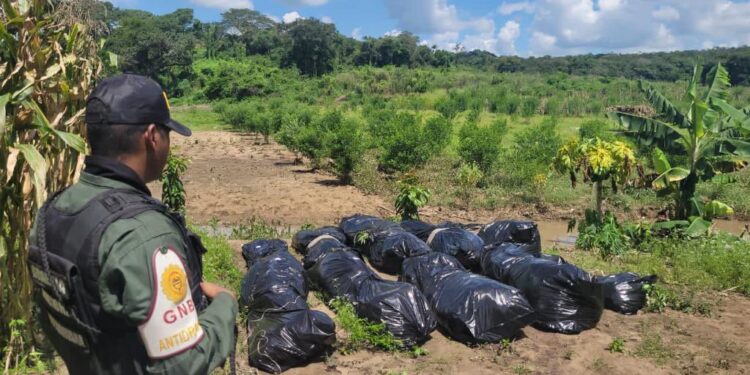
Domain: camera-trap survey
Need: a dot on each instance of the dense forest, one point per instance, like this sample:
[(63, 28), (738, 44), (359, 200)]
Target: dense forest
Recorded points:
[(166, 46)]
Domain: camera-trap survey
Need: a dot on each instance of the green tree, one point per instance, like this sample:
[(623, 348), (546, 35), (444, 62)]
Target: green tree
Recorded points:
[(312, 46), (711, 133)]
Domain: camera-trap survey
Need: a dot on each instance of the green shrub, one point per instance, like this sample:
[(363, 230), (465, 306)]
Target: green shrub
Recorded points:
[(481, 145), (437, 133), (533, 150), (411, 196), (345, 145), (596, 129), (172, 189), (404, 148)]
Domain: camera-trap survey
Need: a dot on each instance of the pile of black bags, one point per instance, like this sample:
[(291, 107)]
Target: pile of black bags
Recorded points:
[(470, 308), (282, 331), (566, 298), (403, 309), (354, 225)]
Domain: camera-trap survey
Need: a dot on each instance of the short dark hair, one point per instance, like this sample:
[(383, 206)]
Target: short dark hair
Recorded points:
[(116, 140)]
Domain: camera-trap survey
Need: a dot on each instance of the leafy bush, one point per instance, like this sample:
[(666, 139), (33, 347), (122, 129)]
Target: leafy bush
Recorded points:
[(437, 133), (404, 148), (603, 234), (528, 159), (345, 146), (481, 145), (172, 189), (596, 129)]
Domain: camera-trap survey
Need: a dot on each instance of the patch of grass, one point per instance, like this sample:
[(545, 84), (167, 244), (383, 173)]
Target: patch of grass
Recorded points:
[(218, 263), (361, 333), (255, 228), (717, 262), (617, 345), (654, 347), (198, 118), (568, 355), (521, 369)]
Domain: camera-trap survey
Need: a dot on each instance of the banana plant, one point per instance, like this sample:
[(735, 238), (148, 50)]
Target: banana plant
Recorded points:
[(713, 135)]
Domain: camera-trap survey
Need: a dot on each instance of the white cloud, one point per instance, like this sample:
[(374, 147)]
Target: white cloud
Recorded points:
[(223, 4), (507, 38), (583, 26), (302, 3), (357, 33), (510, 8), (394, 32), (291, 17), (666, 13), (432, 17), (447, 40), (326, 19)]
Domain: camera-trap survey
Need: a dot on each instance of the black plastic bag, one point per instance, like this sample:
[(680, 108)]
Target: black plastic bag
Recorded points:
[(304, 238), (275, 282), (467, 247), (400, 306), (624, 292), (418, 228), (353, 225), (282, 331), (470, 308), (280, 341), (566, 299), (319, 248), (517, 249), (521, 232), (260, 248), (388, 249)]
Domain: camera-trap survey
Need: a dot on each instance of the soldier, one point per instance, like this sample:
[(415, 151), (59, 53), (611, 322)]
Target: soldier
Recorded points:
[(119, 276)]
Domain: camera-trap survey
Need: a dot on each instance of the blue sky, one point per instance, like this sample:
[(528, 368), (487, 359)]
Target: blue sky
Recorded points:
[(513, 27)]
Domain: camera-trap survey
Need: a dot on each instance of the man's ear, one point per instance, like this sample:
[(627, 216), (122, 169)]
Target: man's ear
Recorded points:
[(151, 135)]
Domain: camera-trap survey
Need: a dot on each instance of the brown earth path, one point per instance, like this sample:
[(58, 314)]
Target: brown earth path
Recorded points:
[(233, 178)]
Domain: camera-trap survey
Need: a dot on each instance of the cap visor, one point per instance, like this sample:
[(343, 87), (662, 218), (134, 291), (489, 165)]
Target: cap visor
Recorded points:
[(179, 128)]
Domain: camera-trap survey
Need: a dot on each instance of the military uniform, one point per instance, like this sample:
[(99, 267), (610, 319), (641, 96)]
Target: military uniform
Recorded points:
[(121, 294)]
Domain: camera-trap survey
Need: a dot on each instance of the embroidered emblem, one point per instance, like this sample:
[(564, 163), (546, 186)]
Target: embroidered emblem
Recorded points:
[(174, 283)]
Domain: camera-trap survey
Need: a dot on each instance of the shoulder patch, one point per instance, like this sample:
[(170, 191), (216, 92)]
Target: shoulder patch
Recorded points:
[(172, 325)]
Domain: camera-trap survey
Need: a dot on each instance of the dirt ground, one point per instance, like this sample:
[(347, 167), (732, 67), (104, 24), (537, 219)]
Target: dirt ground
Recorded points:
[(233, 178)]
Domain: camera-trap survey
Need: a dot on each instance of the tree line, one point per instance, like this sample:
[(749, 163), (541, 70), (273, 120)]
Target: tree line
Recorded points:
[(164, 46)]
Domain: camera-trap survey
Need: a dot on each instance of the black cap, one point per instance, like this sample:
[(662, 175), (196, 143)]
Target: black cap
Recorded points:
[(130, 99)]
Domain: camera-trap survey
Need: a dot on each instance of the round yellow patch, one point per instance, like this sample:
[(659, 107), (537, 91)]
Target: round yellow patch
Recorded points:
[(174, 283)]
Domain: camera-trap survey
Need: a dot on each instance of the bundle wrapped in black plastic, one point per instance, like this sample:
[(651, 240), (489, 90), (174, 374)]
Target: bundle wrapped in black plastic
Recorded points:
[(280, 341), (282, 331), (418, 228), (467, 247), (257, 249), (388, 249), (353, 225), (307, 238), (400, 306), (521, 232), (566, 299), (470, 308), (319, 247), (275, 282), (624, 292), (517, 249)]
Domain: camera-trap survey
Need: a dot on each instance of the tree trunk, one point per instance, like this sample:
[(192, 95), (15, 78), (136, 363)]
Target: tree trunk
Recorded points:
[(687, 192), (598, 196)]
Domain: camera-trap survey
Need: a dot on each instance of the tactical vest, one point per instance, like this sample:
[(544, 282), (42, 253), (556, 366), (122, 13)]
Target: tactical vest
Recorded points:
[(64, 262)]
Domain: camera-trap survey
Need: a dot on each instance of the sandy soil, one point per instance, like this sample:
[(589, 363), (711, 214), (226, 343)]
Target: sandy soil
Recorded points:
[(233, 178)]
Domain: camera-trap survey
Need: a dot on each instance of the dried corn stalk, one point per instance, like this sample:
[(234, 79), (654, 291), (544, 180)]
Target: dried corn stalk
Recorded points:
[(47, 67)]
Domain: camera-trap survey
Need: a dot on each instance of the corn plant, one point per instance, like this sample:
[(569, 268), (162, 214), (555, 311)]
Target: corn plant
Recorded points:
[(48, 65)]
